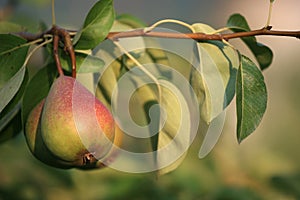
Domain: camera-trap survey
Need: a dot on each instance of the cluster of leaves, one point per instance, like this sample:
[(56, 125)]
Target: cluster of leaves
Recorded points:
[(21, 90)]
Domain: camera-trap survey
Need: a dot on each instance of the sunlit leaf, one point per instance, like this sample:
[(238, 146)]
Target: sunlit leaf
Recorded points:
[(175, 136), (214, 79), (251, 98), (171, 142), (97, 25), (262, 53), (212, 134)]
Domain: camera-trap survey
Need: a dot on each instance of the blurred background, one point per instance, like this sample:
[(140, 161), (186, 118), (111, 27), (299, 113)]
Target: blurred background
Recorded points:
[(265, 166)]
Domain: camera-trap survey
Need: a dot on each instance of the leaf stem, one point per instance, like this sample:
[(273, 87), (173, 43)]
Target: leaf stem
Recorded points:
[(269, 14), (34, 50), (150, 28), (23, 45)]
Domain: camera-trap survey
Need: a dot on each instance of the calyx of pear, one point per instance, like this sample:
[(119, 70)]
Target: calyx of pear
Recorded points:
[(72, 128)]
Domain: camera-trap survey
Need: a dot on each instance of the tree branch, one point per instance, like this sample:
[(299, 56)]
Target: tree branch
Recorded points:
[(58, 34), (195, 36), (203, 36)]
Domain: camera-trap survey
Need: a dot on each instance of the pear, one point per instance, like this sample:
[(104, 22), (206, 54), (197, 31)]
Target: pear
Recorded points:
[(35, 142), (75, 126)]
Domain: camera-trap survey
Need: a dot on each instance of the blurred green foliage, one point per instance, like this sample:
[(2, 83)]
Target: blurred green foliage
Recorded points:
[(219, 176)]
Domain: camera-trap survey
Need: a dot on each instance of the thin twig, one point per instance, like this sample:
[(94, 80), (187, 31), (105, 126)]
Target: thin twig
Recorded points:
[(202, 36)]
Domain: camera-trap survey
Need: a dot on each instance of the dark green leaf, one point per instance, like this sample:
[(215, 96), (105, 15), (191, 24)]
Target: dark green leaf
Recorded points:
[(287, 183), (10, 126), (85, 63), (96, 26), (12, 56), (262, 53), (251, 98), (37, 89)]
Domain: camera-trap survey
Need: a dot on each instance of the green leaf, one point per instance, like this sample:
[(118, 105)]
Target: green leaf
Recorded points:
[(85, 63), (9, 27), (251, 98), (96, 26), (37, 89), (11, 88), (262, 53), (176, 132), (10, 120), (10, 125), (12, 71), (214, 79), (12, 56)]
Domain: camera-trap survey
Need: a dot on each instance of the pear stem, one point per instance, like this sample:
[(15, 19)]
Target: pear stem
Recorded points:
[(56, 56), (59, 33)]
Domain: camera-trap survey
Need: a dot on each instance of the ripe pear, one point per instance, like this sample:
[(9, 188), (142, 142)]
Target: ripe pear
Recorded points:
[(111, 156), (75, 126), (35, 142)]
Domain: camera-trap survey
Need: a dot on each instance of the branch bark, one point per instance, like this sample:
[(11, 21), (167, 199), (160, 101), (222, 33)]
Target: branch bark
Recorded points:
[(195, 36), (203, 36)]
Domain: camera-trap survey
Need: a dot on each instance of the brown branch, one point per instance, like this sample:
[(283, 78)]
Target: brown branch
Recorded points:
[(63, 34), (203, 36), (195, 36)]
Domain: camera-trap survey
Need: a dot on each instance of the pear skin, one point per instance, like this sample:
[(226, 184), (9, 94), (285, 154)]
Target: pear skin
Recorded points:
[(35, 142), (76, 127)]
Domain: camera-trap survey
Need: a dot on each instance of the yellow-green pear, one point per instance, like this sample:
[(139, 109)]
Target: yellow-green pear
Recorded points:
[(75, 126), (35, 142)]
